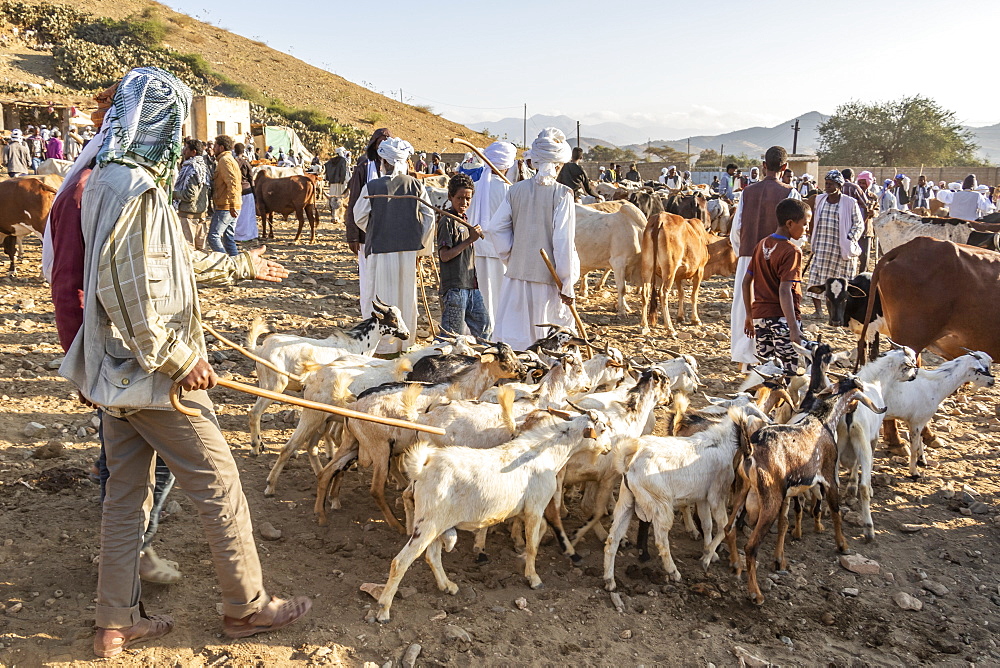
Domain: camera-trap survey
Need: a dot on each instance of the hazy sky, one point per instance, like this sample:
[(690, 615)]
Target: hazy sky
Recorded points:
[(706, 67)]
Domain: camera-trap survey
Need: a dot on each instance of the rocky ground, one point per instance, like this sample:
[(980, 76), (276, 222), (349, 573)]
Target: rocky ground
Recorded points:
[(935, 545)]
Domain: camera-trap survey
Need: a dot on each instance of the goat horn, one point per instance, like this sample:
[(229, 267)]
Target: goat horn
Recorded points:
[(669, 351), (576, 408)]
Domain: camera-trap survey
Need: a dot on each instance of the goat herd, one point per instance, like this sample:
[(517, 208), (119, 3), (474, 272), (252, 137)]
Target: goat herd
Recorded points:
[(520, 427)]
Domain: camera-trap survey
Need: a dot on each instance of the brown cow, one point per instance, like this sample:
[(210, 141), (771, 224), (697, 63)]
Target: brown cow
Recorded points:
[(939, 296), (721, 262), (24, 206), (675, 248), (285, 196)]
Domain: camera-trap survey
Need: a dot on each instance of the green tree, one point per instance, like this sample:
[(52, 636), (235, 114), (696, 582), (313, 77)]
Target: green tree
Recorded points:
[(610, 154), (910, 131), (709, 159), (667, 154)]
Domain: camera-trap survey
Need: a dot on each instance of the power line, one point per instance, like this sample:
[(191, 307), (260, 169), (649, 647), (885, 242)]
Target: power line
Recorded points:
[(459, 106)]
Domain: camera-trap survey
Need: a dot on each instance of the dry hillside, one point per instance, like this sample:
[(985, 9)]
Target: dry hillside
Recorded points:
[(299, 85)]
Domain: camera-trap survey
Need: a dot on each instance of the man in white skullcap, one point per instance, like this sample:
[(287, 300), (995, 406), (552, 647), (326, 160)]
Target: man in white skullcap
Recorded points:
[(395, 230), (537, 213), (490, 192)]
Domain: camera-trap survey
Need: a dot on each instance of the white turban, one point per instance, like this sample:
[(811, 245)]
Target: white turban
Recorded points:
[(663, 171), (502, 154), (341, 152), (396, 151), (548, 152)]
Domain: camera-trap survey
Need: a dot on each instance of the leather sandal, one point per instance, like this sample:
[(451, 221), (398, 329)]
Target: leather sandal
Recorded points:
[(277, 614), (156, 570), (111, 642)]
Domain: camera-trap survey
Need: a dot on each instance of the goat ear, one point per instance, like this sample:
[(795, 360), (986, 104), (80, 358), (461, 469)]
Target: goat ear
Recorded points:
[(487, 357)]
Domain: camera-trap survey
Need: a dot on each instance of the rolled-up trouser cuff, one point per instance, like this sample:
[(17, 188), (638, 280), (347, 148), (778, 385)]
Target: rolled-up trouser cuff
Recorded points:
[(117, 618), (241, 611)]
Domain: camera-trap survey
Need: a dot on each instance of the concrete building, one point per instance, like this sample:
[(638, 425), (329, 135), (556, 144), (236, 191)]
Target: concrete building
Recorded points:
[(212, 116)]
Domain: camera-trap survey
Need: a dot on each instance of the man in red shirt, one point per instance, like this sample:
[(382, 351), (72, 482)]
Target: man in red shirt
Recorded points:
[(775, 274)]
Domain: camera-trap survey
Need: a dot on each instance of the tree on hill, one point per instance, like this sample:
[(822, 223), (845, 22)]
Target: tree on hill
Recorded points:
[(668, 154), (909, 131), (709, 159), (610, 154)]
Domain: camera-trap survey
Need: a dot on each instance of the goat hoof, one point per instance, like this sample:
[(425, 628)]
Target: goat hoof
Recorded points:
[(675, 576), (382, 616), (757, 599), (575, 558), (537, 585), (451, 588), (610, 585), (482, 558), (780, 570), (268, 492), (644, 556)]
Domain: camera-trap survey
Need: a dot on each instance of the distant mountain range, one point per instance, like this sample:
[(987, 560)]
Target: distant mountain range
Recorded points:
[(752, 141)]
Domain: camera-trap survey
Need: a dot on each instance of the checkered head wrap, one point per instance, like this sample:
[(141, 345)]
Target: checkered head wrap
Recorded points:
[(145, 119)]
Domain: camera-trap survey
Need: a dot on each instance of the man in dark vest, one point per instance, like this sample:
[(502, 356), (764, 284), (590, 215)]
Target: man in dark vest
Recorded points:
[(395, 230), (755, 218)]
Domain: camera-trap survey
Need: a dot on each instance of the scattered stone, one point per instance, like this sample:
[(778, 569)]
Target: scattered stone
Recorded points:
[(54, 364), (521, 603), (439, 616), (268, 532), (911, 528), (14, 609), (95, 422), (373, 589), (616, 600), (907, 602), (935, 588), (423, 334), (860, 564), (626, 634), (219, 356), (406, 592), (58, 593), (854, 518), (82, 432), (684, 336), (50, 450), (828, 618), (410, 655), (965, 511), (699, 634), (321, 652), (339, 282), (979, 508), (172, 507), (309, 280), (457, 633), (786, 640), (33, 429), (748, 659), (850, 591)]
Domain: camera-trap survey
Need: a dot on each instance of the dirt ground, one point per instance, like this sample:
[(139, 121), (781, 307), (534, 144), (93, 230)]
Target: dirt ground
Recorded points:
[(817, 613)]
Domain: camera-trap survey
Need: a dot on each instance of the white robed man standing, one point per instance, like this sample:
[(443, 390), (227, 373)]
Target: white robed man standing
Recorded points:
[(491, 190), (538, 213), (395, 230)]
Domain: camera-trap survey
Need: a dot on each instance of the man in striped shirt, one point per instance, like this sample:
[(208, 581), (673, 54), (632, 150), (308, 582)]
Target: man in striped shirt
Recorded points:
[(141, 333)]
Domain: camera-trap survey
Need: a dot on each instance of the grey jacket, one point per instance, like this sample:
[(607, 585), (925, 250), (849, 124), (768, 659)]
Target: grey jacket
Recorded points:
[(141, 322)]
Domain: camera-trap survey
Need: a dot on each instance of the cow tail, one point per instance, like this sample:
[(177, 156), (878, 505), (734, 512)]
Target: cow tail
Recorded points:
[(654, 296), (872, 296)]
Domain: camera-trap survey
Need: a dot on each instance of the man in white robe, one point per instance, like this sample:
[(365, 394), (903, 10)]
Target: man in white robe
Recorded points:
[(537, 213), (490, 193), (395, 231)]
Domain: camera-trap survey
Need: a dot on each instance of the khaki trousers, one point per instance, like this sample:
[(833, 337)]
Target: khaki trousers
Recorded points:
[(195, 229), (199, 457)]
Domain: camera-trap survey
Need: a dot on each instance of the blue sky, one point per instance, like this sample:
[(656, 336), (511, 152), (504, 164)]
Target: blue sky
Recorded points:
[(705, 67)]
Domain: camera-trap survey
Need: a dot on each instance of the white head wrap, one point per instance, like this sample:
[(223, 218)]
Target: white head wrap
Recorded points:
[(396, 151), (983, 188), (954, 185), (548, 152), (341, 151), (663, 171), (502, 154)]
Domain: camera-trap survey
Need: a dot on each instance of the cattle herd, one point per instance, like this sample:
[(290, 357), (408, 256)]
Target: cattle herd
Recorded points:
[(520, 428)]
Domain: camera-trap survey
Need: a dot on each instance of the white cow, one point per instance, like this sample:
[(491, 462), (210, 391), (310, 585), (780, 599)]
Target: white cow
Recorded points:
[(610, 241), (54, 166), (894, 228)]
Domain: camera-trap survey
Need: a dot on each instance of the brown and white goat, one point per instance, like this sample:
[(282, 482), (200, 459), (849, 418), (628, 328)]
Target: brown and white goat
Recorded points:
[(780, 461)]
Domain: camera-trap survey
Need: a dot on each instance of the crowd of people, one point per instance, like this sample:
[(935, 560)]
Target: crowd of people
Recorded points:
[(24, 150)]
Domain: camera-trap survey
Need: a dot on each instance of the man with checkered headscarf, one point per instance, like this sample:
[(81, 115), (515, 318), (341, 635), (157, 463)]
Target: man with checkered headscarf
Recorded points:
[(141, 334)]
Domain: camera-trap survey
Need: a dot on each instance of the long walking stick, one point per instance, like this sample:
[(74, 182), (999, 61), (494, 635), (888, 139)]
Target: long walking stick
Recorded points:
[(423, 296), (559, 284), (259, 360), (303, 403), (486, 160)]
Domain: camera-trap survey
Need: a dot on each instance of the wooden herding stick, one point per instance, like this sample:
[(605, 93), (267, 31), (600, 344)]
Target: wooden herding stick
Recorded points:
[(425, 203), (489, 164), (303, 403), (559, 284), (259, 360)]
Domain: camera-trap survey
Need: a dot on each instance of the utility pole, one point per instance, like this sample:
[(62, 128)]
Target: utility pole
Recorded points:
[(689, 153), (524, 137), (400, 95), (722, 157), (795, 137), (578, 134)]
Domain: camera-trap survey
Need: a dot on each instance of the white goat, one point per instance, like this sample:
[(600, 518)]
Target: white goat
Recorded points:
[(469, 489), (857, 432), (916, 401), (663, 473), (290, 352)]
